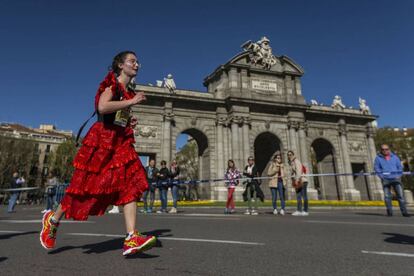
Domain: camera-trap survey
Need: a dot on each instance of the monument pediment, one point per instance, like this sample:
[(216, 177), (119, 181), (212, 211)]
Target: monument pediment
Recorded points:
[(257, 73)]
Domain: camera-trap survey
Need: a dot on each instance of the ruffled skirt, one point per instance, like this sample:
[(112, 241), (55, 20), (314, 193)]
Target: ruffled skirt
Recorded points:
[(107, 172)]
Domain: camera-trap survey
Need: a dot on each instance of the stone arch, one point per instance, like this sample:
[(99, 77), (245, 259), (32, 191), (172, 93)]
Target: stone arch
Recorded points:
[(323, 161), (203, 141), (265, 145)]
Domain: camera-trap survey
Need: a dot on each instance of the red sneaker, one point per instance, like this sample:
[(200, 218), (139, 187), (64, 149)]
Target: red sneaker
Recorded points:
[(48, 233), (138, 243)]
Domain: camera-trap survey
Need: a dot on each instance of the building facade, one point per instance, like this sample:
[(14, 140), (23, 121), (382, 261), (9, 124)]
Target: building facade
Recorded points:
[(254, 106)]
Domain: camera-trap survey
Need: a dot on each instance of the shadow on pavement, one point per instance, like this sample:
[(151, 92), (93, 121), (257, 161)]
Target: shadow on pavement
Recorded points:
[(2, 259), (114, 244), (399, 238), (11, 235), (372, 214)]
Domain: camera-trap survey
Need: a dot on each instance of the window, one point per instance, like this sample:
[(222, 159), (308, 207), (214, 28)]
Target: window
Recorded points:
[(48, 148)]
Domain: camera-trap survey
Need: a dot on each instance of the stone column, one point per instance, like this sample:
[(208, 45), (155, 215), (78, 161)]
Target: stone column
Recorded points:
[(376, 186), (350, 192), (304, 157), (293, 126), (220, 147), (166, 137), (235, 140), (246, 140)]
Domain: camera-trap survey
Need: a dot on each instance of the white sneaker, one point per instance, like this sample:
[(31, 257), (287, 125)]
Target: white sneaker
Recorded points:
[(275, 212), (247, 212), (254, 213), (305, 214), (297, 214), (173, 211), (282, 212), (159, 212), (44, 211), (114, 210)]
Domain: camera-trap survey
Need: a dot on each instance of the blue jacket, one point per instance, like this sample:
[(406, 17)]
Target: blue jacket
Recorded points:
[(393, 166)]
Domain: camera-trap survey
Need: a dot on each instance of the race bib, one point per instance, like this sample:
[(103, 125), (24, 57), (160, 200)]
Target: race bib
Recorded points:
[(121, 117)]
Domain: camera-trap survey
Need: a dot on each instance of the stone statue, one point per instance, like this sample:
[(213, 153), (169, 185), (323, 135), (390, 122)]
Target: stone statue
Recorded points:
[(363, 106), (260, 53), (337, 103), (169, 83), (314, 102), (159, 83)]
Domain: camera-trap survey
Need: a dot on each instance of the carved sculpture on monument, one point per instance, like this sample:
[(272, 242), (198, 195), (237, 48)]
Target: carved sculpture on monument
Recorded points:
[(146, 131), (169, 83), (363, 107), (337, 103), (260, 53), (314, 102)]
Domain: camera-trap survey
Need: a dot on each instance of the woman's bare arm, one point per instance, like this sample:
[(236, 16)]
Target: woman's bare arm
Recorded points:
[(106, 105)]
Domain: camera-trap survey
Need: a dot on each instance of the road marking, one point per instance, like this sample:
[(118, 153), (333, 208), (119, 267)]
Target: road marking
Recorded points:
[(388, 253), (40, 221), (360, 223), (169, 238), (11, 231)]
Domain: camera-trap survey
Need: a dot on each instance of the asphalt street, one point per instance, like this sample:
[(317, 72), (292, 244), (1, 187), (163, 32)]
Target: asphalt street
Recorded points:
[(204, 241)]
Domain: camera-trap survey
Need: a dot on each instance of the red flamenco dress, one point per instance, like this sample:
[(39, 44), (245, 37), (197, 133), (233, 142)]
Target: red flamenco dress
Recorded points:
[(107, 167)]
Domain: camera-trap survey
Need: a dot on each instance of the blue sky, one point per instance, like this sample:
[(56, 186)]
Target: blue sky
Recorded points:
[(54, 53)]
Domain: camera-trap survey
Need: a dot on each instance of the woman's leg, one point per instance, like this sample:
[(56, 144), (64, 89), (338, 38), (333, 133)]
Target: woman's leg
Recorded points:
[(58, 213), (282, 198), (130, 215), (232, 198), (274, 198), (174, 190)]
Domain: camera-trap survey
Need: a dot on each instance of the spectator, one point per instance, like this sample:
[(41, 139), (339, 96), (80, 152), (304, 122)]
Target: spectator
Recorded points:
[(252, 186), (276, 184), (152, 174), (50, 191), (174, 178), (300, 183), (163, 182), (15, 183), (232, 175), (388, 167)]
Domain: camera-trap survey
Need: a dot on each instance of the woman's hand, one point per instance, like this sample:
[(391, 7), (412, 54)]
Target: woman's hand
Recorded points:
[(133, 121), (138, 98)]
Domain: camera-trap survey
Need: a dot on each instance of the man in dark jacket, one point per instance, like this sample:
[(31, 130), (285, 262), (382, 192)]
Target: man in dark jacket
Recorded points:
[(15, 182), (163, 183), (388, 167), (152, 176)]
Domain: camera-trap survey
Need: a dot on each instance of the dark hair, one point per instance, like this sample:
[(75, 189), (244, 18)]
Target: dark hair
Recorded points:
[(119, 59), (231, 160), (278, 153), (290, 151), (163, 162)]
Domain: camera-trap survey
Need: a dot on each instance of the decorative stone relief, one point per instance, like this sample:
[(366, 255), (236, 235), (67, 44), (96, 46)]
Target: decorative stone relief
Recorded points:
[(146, 131), (260, 53), (355, 146)]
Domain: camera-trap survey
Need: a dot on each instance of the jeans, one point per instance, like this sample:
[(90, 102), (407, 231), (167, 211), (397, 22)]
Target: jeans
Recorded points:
[(163, 197), (151, 192), (50, 201), (174, 192), (396, 184), (302, 193), (275, 191), (251, 189), (12, 201)]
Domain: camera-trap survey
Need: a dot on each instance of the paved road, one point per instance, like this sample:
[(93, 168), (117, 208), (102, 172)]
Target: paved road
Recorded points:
[(203, 241)]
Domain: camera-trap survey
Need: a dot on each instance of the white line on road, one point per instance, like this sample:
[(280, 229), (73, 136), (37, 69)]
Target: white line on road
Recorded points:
[(170, 238), (39, 221), (361, 223), (11, 231), (388, 253)]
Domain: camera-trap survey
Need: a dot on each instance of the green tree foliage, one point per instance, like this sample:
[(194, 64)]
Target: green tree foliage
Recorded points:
[(187, 159), (18, 155), (61, 160)]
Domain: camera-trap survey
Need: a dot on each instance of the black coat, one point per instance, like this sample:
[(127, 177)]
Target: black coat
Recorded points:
[(253, 182)]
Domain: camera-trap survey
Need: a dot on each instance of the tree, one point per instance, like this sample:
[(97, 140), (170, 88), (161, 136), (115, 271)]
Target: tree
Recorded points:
[(61, 160), (187, 159), (18, 155)]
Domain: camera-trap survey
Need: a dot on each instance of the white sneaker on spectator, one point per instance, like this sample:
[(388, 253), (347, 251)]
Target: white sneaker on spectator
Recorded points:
[(282, 212), (305, 214), (114, 210), (247, 212), (275, 212), (254, 213), (159, 212), (297, 213), (173, 211)]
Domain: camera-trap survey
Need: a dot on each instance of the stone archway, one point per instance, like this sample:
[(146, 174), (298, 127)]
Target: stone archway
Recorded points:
[(266, 145), (323, 161), (203, 160)]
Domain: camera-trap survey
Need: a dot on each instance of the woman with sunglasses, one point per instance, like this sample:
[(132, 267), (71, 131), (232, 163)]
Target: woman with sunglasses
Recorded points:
[(276, 184)]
